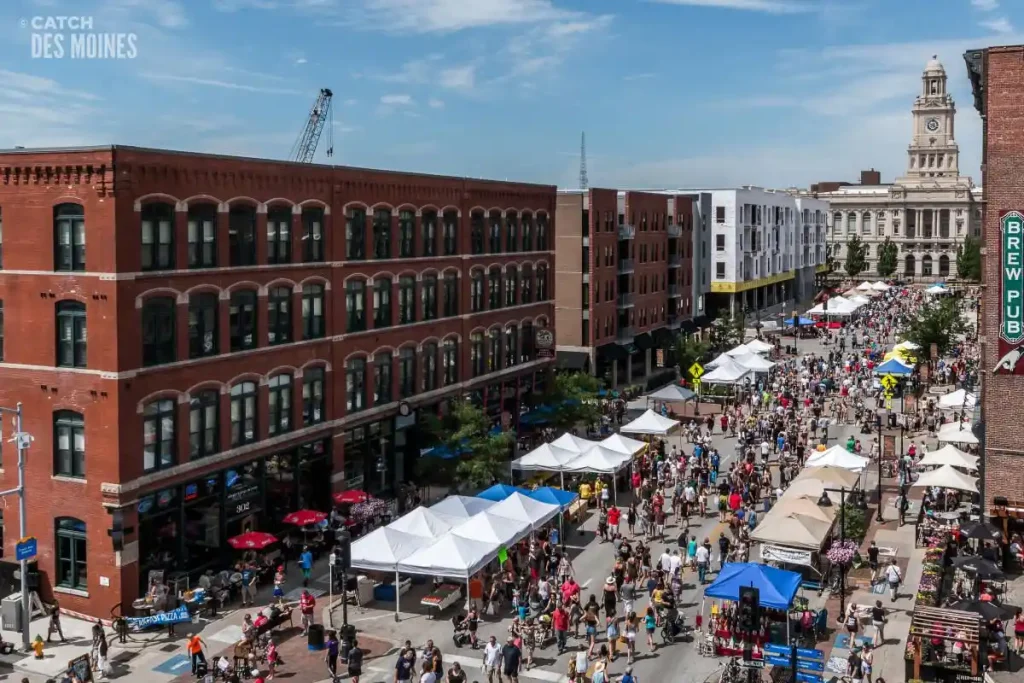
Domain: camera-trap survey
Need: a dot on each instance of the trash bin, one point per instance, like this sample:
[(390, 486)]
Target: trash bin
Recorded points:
[(11, 613), (315, 637)]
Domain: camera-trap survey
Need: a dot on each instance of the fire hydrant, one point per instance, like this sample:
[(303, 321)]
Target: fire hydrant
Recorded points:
[(37, 646)]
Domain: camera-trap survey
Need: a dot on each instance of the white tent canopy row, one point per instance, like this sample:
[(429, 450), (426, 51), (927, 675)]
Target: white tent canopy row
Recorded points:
[(835, 306), (957, 400), (957, 433), (650, 423), (728, 371), (796, 520), (948, 477), (837, 456), (949, 455), (606, 456), (754, 362)]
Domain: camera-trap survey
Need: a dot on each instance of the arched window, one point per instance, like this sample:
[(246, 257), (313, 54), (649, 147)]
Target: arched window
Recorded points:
[(382, 302), (476, 233), (279, 315), (495, 233), (450, 296), (511, 231), (450, 361), (204, 424), (428, 293), (313, 396), (203, 325), (158, 331), (68, 444), (943, 265), (494, 289), (382, 234), (926, 265), (476, 353), (511, 285), (526, 281), (428, 226), (71, 334), (157, 237), (476, 291), (202, 236), (355, 384), (280, 404), (542, 232), (406, 300), (382, 378), (243, 413), (72, 571), (451, 233), (69, 237), (406, 233), (242, 236), (355, 305), (279, 235), (909, 265), (511, 344), (355, 234), (494, 350), (313, 235), (407, 372), (528, 231), (242, 320), (542, 282), (159, 424), (429, 366), (313, 324)]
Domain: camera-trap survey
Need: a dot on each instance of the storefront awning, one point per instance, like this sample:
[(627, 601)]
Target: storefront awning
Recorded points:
[(643, 341), (663, 337), (702, 321), (612, 352), (571, 360), (689, 326)]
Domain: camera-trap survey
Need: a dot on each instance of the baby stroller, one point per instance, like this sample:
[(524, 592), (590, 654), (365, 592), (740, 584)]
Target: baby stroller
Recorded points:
[(460, 631)]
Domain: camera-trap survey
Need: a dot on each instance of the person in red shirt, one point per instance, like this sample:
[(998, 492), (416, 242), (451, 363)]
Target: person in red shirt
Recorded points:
[(306, 605), (569, 589), (560, 621), (613, 520), (735, 501)]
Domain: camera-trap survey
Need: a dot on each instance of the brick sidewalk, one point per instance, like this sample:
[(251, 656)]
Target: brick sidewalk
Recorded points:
[(302, 665)]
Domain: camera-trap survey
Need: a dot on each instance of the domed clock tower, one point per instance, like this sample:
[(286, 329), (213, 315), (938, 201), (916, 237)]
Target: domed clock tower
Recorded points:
[(933, 152)]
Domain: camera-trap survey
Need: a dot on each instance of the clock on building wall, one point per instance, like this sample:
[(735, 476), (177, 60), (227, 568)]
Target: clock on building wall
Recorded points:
[(932, 125)]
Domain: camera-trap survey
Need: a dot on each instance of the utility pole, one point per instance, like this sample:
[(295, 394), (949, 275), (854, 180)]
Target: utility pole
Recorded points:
[(22, 441)]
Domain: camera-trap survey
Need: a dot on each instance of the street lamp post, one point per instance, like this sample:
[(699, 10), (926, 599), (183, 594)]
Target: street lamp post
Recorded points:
[(22, 440), (825, 501), (878, 515)]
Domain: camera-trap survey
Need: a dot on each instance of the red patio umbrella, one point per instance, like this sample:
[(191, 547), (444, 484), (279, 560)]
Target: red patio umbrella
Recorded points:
[(351, 497), (253, 540), (304, 517)]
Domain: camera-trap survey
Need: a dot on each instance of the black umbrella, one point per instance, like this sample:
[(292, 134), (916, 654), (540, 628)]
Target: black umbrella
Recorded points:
[(987, 610), (982, 531), (979, 566)]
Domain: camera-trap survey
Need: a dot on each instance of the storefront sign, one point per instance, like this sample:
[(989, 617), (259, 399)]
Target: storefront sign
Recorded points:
[(1011, 294), (776, 553), (241, 499), (889, 446), (544, 340)]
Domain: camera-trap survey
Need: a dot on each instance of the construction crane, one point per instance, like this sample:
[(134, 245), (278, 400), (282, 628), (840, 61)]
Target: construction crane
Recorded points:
[(305, 147)]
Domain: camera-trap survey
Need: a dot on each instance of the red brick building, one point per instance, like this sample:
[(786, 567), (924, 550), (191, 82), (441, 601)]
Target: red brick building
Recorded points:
[(997, 77), (203, 343), (624, 279)]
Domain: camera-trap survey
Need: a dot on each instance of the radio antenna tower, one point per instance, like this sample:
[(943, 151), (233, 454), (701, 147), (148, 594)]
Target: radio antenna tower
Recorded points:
[(584, 182)]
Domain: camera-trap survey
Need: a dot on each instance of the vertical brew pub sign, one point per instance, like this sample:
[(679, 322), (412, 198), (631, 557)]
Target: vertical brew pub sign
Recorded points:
[(1011, 293)]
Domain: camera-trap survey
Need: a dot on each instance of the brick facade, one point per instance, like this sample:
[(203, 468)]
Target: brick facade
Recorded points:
[(115, 187)]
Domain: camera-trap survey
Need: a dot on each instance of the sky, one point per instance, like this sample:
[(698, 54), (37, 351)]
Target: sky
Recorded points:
[(670, 93)]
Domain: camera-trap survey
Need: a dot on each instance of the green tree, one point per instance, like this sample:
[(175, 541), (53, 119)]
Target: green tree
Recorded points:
[(727, 331), (854, 524), (968, 259), (830, 258), (466, 431), (887, 255), (856, 256), (937, 323), (689, 349), (572, 399)]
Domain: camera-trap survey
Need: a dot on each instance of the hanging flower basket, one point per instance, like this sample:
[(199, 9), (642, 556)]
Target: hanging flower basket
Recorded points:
[(841, 553)]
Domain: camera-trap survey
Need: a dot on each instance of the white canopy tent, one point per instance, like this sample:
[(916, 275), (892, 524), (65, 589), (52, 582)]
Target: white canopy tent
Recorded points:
[(461, 507), (865, 286), (947, 477), (759, 346), (956, 400), (907, 345), (859, 299), (837, 456), (450, 555), (949, 455), (671, 392), (546, 457), (525, 509), (600, 459), (721, 358), (957, 433), (571, 442), (728, 372), (623, 444), (650, 423), (383, 549), (425, 523), (836, 306), (937, 290), (880, 286), (792, 530), (490, 528), (754, 362)]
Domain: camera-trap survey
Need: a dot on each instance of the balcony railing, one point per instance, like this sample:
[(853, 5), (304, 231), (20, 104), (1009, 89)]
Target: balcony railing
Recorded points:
[(626, 300), (675, 261), (675, 290), (675, 231), (625, 334), (626, 265), (627, 232)]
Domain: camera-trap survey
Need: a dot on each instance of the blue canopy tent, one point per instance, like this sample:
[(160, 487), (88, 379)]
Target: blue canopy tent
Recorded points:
[(446, 453), (894, 367), (553, 496), (777, 587), (500, 492), (788, 322)]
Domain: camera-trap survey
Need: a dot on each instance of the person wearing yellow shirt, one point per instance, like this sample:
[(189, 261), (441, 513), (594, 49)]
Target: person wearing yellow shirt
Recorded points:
[(585, 491)]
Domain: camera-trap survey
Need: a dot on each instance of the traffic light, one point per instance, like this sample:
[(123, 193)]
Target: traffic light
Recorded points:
[(749, 610), (343, 550)]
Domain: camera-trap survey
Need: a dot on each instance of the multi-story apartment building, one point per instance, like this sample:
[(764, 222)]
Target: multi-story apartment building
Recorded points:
[(224, 340), (929, 211), (997, 78), (766, 246), (625, 278)]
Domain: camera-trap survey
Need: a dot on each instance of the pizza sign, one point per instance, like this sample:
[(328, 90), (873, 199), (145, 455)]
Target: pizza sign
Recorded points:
[(1011, 294)]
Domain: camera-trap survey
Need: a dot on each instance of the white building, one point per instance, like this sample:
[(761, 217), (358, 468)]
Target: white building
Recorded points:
[(927, 212), (766, 246)]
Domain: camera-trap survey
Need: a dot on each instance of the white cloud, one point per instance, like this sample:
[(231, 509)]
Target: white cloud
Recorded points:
[(396, 100), (17, 83), (768, 6), (986, 5), (215, 83), (458, 78), (1001, 25), (434, 103), (41, 112), (441, 16), (301, 60), (350, 102), (542, 48)]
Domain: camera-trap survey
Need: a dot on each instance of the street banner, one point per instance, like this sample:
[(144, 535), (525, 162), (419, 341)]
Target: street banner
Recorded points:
[(1011, 294), (777, 553)]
